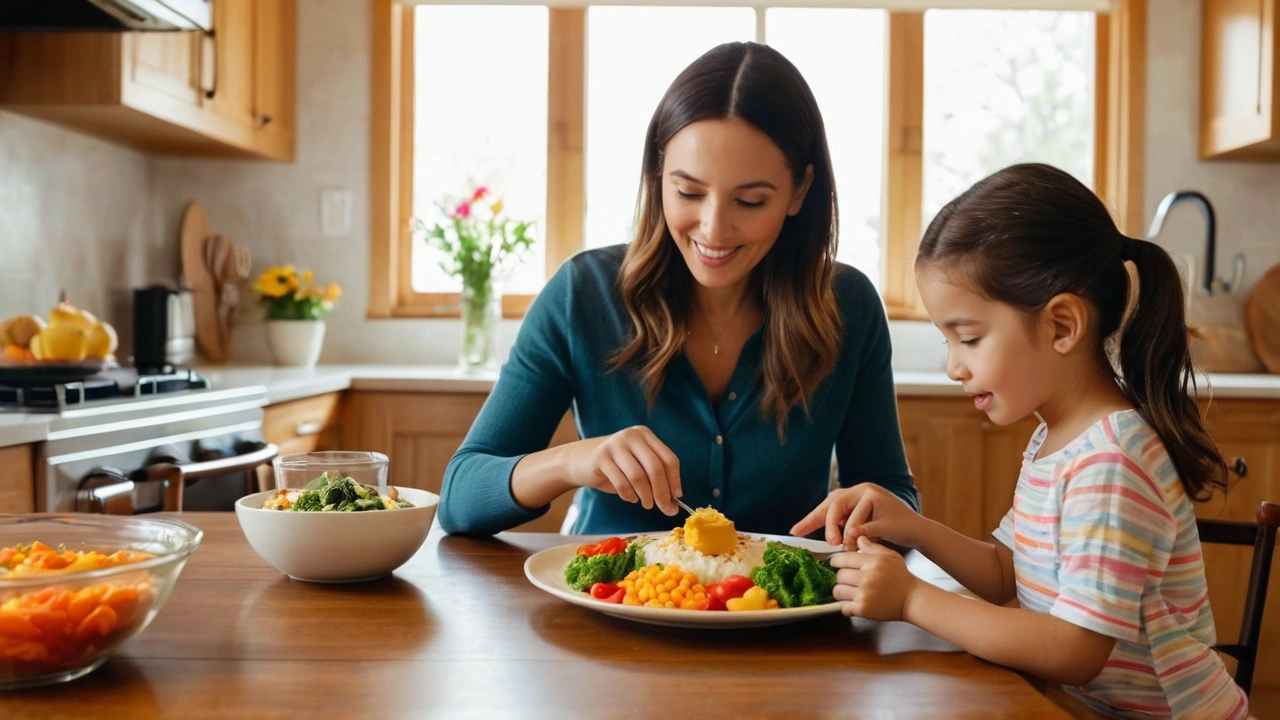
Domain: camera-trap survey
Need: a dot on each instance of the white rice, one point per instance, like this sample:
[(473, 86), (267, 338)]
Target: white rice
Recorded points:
[(671, 550)]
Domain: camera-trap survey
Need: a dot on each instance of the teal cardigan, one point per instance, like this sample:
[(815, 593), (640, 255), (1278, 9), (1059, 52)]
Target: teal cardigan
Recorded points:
[(730, 456)]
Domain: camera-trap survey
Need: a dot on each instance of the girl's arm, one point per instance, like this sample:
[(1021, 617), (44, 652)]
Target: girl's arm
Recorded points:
[(877, 585), (984, 568), (1035, 643), (868, 510)]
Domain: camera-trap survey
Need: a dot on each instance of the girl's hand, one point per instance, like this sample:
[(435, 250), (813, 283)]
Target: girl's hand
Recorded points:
[(874, 582), (865, 509), (632, 463)]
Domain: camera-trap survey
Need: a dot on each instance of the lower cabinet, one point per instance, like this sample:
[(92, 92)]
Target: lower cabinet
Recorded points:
[(301, 426), (421, 431), (966, 469), (17, 479)]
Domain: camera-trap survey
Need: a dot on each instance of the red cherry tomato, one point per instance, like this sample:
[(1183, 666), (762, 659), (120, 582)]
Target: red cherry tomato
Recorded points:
[(608, 592), (714, 603), (731, 587)]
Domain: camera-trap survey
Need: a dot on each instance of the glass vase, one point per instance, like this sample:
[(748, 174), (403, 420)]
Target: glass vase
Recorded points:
[(481, 313)]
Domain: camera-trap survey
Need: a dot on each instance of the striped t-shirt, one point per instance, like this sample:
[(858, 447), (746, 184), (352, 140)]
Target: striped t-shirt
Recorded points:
[(1104, 536)]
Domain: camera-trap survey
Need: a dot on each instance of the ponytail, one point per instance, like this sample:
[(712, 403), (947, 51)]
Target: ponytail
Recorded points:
[(1157, 374)]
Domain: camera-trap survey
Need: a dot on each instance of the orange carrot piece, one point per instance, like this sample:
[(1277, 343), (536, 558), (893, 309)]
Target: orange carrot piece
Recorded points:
[(85, 600), (101, 621), (13, 625)]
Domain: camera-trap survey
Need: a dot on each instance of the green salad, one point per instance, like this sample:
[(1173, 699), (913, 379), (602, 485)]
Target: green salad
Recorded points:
[(335, 492)]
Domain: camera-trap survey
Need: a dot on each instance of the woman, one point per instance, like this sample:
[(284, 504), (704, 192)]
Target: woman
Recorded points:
[(719, 357)]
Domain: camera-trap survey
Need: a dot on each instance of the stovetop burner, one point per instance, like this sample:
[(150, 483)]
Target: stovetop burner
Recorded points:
[(117, 384)]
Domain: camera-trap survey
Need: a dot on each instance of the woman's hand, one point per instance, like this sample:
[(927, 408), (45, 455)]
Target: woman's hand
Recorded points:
[(874, 582), (632, 463), (865, 509)]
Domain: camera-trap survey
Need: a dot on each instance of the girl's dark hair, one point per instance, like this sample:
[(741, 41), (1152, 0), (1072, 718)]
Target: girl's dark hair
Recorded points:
[(794, 281), (1030, 232)]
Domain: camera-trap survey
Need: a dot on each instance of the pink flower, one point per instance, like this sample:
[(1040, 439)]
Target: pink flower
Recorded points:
[(463, 212), (479, 193)]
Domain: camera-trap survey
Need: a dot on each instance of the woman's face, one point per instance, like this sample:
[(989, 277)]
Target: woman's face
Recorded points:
[(726, 190)]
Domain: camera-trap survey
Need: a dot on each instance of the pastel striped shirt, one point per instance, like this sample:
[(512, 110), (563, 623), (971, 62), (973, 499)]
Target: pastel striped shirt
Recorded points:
[(1104, 536)]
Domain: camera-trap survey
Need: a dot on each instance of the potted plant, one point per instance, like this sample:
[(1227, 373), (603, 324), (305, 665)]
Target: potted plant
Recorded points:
[(476, 241), (296, 308)]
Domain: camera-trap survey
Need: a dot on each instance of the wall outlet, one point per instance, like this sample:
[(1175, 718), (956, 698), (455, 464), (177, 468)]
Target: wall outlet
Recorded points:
[(335, 213)]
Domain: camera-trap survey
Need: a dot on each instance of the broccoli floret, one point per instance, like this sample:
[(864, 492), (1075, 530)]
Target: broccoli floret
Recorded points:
[(586, 571), (793, 576)]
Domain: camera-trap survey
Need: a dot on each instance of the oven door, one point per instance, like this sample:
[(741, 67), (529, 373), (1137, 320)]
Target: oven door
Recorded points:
[(188, 451), (170, 486)]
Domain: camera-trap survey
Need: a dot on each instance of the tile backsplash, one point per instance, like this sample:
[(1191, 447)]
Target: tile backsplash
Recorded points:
[(76, 215)]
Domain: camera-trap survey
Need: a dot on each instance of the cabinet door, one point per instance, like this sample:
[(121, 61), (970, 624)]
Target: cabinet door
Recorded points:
[(1245, 430), (232, 93), (166, 63), (275, 28), (1238, 80), (419, 432), (301, 426), (943, 440), (17, 479)]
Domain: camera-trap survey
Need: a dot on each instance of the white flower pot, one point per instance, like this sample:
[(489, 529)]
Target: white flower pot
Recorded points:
[(295, 343)]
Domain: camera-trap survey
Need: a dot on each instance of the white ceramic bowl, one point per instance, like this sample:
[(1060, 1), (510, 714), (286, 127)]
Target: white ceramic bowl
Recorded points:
[(337, 547)]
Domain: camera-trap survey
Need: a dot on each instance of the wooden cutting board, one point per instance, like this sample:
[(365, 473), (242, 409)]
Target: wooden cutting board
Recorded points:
[(192, 236), (1262, 319)]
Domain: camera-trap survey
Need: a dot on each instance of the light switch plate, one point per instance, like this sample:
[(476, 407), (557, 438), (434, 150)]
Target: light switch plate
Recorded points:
[(335, 213)]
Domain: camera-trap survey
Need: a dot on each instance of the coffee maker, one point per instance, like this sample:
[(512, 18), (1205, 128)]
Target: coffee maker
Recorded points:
[(164, 329)]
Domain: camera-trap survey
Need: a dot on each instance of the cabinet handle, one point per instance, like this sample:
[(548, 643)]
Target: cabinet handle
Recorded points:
[(310, 427), (1240, 467), (263, 120), (208, 65)]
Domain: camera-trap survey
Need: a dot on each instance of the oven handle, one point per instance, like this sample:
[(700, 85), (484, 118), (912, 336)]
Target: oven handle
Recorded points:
[(176, 476)]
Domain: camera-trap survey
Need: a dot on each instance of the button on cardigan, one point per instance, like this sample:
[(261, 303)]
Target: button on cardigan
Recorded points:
[(730, 456)]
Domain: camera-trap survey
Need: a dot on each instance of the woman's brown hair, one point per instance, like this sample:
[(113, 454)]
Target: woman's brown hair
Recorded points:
[(757, 84), (1030, 232)]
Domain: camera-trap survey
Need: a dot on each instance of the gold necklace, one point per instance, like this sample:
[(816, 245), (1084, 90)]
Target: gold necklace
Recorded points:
[(715, 341)]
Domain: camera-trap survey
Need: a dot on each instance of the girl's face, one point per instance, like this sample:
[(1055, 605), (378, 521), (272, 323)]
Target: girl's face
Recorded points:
[(1005, 365), (726, 190)]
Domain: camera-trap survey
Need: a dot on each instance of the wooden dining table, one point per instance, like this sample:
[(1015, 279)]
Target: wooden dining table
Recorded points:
[(459, 632)]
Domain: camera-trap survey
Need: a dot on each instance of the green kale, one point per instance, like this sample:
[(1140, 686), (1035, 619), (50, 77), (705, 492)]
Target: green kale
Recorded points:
[(793, 576), (586, 571), (336, 492)]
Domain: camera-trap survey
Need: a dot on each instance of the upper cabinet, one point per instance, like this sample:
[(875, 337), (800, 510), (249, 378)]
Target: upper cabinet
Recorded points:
[(1238, 113), (229, 92)]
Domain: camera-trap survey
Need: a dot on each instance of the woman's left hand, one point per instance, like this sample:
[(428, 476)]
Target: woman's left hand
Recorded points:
[(874, 582)]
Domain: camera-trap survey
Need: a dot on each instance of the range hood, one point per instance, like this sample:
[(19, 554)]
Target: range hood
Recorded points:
[(104, 15)]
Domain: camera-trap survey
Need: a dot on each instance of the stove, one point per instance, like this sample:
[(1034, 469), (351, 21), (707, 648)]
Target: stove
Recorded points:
[(54, 394)]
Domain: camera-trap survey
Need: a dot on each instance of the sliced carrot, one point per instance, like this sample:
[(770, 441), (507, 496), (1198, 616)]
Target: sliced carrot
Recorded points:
[(13, 625), (85, 600), (101, 622)]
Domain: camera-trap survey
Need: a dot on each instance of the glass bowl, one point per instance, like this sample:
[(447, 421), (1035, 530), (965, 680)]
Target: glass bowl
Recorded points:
[(60, 625), (297, 472)]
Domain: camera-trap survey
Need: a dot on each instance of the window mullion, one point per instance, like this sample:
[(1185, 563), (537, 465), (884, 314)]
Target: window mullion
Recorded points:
[(566, 113), (903, 173)]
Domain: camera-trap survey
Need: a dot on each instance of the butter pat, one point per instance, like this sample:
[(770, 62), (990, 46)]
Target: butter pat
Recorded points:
[(709, 532)]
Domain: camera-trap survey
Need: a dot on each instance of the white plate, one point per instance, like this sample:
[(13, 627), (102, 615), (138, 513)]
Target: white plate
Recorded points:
[(545, 569)]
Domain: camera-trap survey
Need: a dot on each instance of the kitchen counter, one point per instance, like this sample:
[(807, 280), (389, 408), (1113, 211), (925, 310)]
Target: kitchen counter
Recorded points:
[(282, 384)]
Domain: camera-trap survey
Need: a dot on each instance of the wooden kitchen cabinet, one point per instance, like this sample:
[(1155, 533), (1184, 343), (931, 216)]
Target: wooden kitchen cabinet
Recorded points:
[(17, 479), (421, 431), (1239, 119), (966, 469), (301, 426), (226, 93), (1247, 431)]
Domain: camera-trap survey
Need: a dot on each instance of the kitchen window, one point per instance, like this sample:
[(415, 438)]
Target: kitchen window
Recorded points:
[(918, 105)]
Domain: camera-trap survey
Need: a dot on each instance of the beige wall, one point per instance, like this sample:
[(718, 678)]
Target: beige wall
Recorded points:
[(62, 194)]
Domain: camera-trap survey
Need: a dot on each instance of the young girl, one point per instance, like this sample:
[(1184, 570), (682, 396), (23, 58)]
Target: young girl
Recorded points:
[(1029, 280)]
